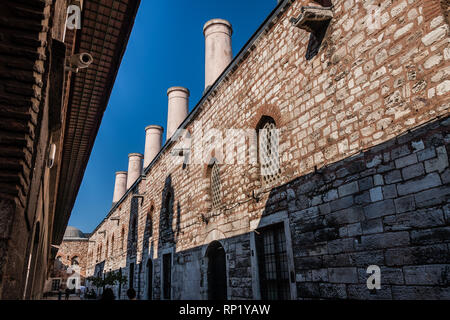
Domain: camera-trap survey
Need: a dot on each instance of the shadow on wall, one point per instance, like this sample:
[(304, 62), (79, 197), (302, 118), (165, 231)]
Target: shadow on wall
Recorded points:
[(166, 216), (387, 206), (139, 280)]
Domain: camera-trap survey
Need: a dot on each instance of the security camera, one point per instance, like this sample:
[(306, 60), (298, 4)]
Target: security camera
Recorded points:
[(80, 61), (51, 156)]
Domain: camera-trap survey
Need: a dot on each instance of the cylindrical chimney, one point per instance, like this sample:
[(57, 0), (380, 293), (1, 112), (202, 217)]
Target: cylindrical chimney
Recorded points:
[(218, 51), (134, 168), (120, 186), (178, 109), (153, 135)]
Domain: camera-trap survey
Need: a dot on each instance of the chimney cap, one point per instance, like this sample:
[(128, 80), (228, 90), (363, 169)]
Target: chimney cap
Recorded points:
[(217, 21), (183, 89), (154, 126), (140, 155), (121, 172)]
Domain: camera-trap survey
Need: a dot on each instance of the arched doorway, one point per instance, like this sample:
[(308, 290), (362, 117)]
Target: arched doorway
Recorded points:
[(149, 279), (217, 272)]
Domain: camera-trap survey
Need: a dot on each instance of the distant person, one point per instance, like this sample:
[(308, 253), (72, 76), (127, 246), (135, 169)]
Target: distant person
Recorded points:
[(82, 292), (67, 293), (108, 295), (131, 293), (59, 294)]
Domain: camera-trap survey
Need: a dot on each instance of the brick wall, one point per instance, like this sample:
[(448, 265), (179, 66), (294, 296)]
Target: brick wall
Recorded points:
[(26, 29), (72, 248), (364, 92)]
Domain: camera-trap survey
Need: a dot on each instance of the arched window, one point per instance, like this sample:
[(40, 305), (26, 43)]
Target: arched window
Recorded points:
[(75, 261), (268, 151), (216, 192)]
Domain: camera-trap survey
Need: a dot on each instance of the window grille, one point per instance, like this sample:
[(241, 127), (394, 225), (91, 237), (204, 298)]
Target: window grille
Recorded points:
[(56, 283), (269, 157), (273, 263), (216, 195)]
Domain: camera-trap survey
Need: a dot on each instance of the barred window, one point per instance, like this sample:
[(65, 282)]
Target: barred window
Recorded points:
[(56, 284), (216, 194), (269, 158), (273, 263)]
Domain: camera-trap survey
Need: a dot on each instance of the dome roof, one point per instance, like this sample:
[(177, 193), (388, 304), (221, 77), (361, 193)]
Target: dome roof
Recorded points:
[(73, 233)]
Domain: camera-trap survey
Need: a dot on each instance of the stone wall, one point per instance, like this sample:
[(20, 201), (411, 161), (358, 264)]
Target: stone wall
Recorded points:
[(357, 187), (388, 207)]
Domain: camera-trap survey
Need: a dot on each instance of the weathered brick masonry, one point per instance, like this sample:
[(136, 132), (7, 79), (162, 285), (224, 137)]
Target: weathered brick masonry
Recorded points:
[(72, 248), (49, 117), (69, 267), (364, 167)]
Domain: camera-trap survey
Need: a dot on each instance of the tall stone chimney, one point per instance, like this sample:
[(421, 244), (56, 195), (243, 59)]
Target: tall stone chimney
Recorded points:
[(134, 168), (178, 109), (153, 136), (218, 51), (120, 186)]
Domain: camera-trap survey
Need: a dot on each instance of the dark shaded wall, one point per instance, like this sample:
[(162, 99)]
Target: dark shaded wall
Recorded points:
[(389, 207), (28, 32)]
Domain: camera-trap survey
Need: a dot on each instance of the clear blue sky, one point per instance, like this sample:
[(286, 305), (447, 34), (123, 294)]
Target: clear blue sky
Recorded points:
[(166, 49)]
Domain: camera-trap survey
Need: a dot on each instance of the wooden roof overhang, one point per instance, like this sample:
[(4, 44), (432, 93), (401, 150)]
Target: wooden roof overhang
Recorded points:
[(106, 28)]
